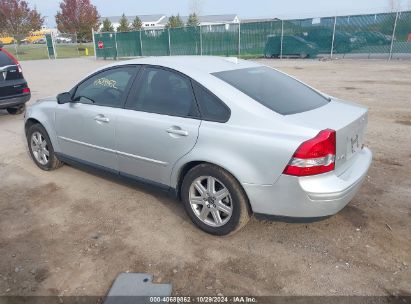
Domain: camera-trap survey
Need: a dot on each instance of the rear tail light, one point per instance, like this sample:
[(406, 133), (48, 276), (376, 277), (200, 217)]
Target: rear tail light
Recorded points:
[(314, 156), (26, 90)]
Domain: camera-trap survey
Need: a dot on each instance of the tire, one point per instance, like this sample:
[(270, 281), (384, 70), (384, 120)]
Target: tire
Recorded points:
[(17, 110), (46, 163), (235, 201)]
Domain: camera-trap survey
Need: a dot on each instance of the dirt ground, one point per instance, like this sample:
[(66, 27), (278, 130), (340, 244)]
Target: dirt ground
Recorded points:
[(70, 232)]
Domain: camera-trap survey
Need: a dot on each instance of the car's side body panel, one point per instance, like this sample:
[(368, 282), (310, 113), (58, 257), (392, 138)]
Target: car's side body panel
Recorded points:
[(231, 147), (80, 135), (44, 112), (149, 144)]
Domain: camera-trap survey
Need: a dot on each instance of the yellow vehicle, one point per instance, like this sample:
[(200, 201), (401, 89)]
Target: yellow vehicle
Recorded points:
[(6, 40), (34, 36)]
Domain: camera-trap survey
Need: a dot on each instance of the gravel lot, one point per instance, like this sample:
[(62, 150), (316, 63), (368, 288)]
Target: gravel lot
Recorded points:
[(70, 232)]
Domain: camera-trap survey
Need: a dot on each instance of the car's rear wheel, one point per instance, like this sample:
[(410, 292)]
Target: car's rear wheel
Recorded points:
[(214, 200), (16, 110), (41, 149)]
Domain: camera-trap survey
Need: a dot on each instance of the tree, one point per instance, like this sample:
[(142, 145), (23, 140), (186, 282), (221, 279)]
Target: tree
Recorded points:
[(107, 26), (78, 16), (175, 21), (124, 24), (195, 6), (18, 19), (193, 20), (137, 24)]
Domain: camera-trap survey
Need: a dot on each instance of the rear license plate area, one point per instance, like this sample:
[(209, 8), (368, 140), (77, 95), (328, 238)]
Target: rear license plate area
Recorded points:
[(354, 143)]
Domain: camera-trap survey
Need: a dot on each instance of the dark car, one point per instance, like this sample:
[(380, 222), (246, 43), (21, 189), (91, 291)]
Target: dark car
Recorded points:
[(343, 42), (14, 92), (374, 37), (292, 46)]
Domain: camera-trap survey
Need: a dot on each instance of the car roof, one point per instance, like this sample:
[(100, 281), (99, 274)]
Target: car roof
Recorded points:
[(193, 64)]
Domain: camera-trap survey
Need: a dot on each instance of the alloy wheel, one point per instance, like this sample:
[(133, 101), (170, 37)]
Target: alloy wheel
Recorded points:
[(210, 201), (39, 148)]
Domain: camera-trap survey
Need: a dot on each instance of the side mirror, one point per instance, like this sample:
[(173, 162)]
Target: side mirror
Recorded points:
[(63, 98)]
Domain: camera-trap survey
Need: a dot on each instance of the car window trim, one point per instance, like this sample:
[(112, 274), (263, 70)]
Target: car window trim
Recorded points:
[(73, 91), (137, 86)]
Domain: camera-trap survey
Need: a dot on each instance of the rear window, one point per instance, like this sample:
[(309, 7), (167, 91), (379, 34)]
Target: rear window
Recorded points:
[(5, 60), (273, 89)]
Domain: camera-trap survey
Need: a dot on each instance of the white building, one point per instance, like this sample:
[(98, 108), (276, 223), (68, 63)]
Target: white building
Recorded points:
[(210, 19), (148, 21)]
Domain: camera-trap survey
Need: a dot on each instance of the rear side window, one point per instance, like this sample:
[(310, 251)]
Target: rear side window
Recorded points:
[(273, 89), (164, 92), (5, 60), (211, 108)]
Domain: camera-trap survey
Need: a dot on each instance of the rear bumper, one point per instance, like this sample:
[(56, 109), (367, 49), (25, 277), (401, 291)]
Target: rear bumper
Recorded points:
[(311, 196), (6, 102)]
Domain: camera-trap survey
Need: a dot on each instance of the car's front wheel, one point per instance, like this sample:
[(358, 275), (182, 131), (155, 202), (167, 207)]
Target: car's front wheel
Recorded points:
[(214, 200), (40, 148), (16, 110)]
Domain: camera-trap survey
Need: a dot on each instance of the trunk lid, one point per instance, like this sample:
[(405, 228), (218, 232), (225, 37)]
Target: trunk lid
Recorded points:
[(349, 120)]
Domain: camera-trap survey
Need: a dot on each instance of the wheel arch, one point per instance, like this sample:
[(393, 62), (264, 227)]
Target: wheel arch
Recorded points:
[(29, 122), (32, 120), (182, 172)]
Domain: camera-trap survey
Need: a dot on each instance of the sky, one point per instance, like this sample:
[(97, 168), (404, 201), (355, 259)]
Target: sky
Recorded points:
[(244, 8)]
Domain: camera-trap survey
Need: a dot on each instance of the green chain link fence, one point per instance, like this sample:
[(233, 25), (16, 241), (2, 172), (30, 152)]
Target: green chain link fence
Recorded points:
[(402, 34), (185, 41), (376, 35), (253, 36)]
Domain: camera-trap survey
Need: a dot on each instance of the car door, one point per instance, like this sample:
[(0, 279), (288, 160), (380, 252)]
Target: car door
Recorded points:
[(159, 125), (86, 126)]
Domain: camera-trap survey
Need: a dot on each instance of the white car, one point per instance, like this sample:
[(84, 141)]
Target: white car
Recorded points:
[(63, 40)]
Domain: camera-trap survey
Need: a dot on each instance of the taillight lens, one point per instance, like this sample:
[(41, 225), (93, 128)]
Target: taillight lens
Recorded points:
[(26, 90), (314, 156)]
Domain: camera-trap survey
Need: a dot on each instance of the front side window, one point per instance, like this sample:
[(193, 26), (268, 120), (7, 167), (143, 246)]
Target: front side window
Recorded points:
[(106, 88), (164, 92), (275, 90)]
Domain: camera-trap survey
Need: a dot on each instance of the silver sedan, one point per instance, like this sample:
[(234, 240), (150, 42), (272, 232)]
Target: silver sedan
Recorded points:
[(226, 136)]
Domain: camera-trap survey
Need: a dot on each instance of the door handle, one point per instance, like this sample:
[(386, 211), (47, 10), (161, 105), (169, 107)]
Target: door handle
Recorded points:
[(101, 118), (177, 131)]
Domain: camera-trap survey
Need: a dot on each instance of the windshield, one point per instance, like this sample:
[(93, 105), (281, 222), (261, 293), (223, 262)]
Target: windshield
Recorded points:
[(273, 89)]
